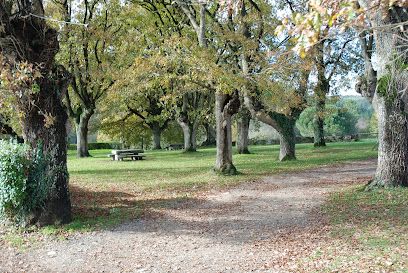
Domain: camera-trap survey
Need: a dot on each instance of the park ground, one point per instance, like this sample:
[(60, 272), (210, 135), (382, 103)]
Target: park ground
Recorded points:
[(312, 218)]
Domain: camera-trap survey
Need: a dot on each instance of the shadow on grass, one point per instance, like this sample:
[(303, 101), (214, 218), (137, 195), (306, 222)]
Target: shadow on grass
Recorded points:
[(214, 219), (94, 209)]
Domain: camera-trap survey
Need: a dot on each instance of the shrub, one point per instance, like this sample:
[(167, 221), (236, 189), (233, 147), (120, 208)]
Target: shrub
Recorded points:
[(72, 147), (23, 180), (103, 145)]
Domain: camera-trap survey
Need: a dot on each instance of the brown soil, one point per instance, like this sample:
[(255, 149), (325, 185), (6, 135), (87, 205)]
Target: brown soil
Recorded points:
[(260, 226)]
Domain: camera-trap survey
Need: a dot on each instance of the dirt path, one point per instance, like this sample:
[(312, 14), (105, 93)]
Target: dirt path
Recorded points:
[(254, 227)]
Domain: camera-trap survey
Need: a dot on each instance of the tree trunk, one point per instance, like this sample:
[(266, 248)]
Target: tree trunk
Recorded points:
[(157, 130), (243, 131), (392, 145), (322, 89), (287, 141), (318, 124), (225, 107), (283, 124), (53, 137), (81, 127), (43, 117), (387, 90), (210, 132), (190, 134)]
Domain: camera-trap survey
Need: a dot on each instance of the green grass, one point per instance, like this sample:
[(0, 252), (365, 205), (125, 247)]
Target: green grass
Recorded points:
[(187, 171), (106, 193)]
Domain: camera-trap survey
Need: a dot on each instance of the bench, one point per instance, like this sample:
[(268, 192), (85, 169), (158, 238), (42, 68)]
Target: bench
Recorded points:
[(176, 146), (121, 154)]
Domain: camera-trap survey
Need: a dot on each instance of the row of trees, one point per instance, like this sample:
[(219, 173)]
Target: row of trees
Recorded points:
[(156, 57), (164, 81)]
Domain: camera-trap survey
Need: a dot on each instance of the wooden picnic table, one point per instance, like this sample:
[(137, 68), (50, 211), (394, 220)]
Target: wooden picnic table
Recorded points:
[(128, 153)]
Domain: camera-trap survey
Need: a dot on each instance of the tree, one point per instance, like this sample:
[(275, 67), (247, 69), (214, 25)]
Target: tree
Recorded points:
[(190, 111), (37, 86), (338, 121), (332, 57), (210, 134), (276, 98), (226, 101), (131, 131), (89, 53), (363, 108), (381, 28), (153, 82), (151, 111), (282, 115)]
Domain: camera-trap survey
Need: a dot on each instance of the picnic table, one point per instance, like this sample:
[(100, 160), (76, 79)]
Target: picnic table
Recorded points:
[(176, 146), (129, 153)]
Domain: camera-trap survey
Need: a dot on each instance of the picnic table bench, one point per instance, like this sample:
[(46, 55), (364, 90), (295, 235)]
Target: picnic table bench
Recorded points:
[(121, 154), (176, 146)]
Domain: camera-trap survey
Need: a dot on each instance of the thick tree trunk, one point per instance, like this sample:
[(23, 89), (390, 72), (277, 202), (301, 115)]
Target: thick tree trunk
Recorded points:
[(243, 131), (53, 137), (157, 130), (392, 168), (286, 129), (43, 116), (287, 141), (387, 90), (225, 107), (81, 127)]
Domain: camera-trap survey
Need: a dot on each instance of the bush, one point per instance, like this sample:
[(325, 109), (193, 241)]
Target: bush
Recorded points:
[(23, 180)]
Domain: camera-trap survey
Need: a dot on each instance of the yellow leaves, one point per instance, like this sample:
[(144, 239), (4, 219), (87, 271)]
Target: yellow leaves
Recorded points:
[(49, 120), (322, 16)]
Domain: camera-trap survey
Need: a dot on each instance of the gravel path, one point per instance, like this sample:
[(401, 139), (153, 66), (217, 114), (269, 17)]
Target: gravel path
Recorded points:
[(254, 227)]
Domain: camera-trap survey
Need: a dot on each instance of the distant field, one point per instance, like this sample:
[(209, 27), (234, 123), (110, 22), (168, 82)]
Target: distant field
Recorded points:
[(106, 192)]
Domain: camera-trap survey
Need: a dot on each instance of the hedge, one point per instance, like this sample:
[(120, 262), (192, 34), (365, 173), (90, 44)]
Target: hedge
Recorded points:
[(98, 145)]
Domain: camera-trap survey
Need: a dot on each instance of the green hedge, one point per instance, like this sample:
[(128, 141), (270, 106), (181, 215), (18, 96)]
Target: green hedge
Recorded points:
[(24, 181), (98, 145)]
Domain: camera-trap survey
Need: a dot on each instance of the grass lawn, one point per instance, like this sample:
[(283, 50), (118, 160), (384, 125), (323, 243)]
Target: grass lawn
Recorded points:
[(106, 192)]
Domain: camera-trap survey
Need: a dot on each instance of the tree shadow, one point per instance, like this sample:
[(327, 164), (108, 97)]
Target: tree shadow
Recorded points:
[(101, 205)]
